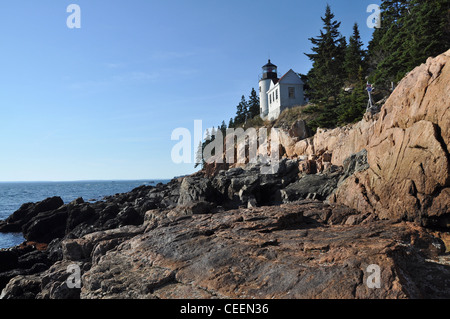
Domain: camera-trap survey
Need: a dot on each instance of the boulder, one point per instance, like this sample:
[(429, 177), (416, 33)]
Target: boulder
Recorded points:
[(317, 186), (26, 212), (300, 130), (82, 248), (46, 226), (79, 212), (194, 189), (22, 287)]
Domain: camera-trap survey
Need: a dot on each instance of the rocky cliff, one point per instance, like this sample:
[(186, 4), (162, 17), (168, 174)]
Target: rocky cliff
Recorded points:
[(372, 194), (407, 144)]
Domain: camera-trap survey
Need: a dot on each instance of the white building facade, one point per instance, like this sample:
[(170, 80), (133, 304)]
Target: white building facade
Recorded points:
[(277, 94)]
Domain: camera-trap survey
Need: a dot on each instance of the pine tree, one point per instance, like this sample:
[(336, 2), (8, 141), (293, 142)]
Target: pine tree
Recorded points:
[(353, 104), (411, 31), (241, 112), (387, 43), (199, 155), (245, 111), (223, 128), (231, 123), (427, 23), (253, 104), (354, 62), (327, 75)]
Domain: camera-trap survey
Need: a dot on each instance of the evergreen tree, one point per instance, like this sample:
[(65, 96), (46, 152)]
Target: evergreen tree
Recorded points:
[(411, 31), (306, 87), (241, 112), (354, 63), (375, 54), (199, 155), (253, 105), (386, 44), (245, 111), (223, 128), (427, 24), (326, 77), (231, 123), (353, 104)]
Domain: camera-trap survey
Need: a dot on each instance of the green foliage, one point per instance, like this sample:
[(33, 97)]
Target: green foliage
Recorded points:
[(354, 63), (311, 109), (223, 128), (247, 110), (253, 105), (327, 75), (231, 123), (324, 118), (325, 79), (241, 112), (352, 104), (411, 31)]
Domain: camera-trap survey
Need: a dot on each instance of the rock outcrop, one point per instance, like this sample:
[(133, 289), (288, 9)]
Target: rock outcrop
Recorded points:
[(298, 250), (407, 145), (376, 193), (26, 212), (408, 152)]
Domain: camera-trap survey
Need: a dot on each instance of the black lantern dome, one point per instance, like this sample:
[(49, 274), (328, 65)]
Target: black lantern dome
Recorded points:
[(269, 71)]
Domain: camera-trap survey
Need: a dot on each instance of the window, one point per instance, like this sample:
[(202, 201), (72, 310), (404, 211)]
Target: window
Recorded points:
[(277, 94), (291, 92), (270, 98), (260, 89)]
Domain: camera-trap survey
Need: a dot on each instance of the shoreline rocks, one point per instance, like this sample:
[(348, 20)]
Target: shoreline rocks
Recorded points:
[(373, 193), (240, 234)]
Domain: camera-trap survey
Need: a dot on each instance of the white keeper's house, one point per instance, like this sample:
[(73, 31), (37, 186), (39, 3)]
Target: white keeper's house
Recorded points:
[(277, 94)]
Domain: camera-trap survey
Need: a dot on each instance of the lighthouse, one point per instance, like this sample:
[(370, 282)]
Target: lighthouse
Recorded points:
[(269, 76), (278, 94)]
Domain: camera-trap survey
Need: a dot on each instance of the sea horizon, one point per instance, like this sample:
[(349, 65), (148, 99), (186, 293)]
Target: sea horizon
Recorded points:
[(90, 180)]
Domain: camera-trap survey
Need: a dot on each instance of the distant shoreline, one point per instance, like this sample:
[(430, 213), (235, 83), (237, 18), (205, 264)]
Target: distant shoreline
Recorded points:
[(149, 180)]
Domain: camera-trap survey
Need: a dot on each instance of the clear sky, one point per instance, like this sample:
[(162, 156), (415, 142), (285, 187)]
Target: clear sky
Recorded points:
[(101, 102)]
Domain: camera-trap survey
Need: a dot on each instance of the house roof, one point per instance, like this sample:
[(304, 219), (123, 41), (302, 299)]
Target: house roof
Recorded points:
[(284, 76), (275, 82)]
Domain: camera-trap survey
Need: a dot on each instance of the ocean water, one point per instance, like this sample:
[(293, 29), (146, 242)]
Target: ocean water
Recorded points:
[(13, 195)]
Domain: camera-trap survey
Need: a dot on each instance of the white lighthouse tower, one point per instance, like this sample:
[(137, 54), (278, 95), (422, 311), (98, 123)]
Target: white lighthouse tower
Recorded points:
[(269, 75)]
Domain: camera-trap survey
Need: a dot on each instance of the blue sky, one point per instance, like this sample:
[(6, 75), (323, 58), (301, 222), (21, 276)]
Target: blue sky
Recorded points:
[(101, 102)]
